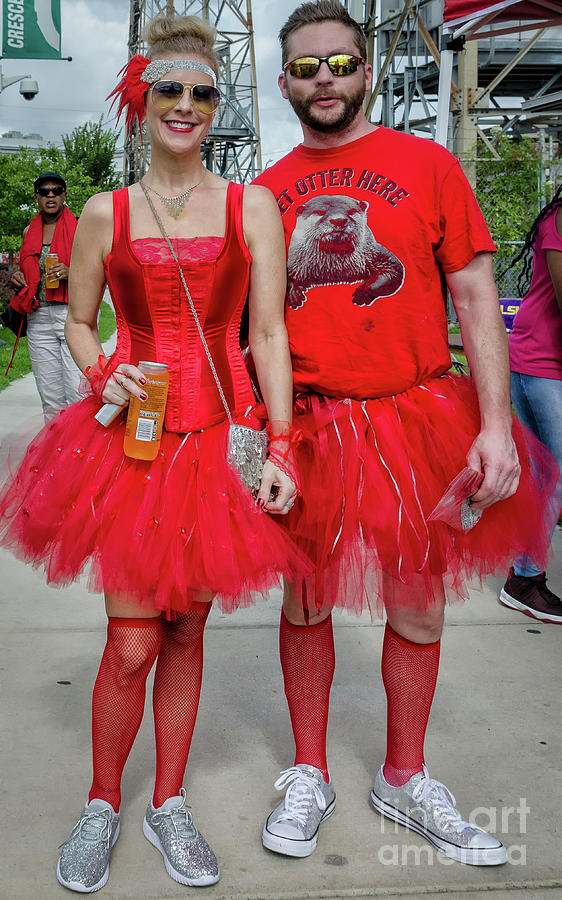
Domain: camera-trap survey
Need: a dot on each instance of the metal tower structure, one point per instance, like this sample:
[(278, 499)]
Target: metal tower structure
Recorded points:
[(232, 148), (502, 80)]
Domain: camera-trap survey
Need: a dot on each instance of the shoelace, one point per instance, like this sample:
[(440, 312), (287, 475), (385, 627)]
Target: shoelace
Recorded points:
[(303, 789), (429, 788), (179, 817), (94, 827)]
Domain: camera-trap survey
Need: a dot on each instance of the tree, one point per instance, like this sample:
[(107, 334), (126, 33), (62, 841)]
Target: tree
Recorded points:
[(18, 171), (93, 148), (509, 189)]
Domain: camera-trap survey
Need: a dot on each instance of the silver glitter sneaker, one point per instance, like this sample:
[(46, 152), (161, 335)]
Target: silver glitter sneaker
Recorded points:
[(428, 807), (83, 865), (292, 828), (187, 855)]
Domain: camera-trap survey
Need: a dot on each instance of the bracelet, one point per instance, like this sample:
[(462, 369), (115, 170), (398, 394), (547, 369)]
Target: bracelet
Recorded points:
[(282, 438)]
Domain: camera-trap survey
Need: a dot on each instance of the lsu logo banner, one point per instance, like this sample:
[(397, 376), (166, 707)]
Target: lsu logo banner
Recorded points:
[(31, 29), (509, 308)]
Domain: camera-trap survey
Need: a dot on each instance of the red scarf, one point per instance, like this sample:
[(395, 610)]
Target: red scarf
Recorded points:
[(25, 299)]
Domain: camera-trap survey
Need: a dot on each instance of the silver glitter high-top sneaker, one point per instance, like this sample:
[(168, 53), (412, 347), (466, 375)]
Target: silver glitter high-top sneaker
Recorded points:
[(83, 865), (187, 855), (428, 807), (292, 828)]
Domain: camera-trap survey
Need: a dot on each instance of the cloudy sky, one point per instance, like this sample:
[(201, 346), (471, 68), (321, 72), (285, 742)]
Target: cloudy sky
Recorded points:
[(95, 33)]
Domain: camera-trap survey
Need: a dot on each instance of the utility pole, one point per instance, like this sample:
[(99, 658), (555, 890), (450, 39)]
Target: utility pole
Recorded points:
[(468, 121)]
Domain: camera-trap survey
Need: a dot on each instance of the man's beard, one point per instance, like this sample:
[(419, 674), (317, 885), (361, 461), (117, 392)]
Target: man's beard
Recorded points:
[(351, 105)]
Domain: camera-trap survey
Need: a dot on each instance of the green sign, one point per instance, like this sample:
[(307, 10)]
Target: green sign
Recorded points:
[(31, 29)]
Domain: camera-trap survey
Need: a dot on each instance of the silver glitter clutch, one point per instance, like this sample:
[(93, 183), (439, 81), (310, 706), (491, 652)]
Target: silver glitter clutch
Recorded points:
[(247, 452), (247, 448)]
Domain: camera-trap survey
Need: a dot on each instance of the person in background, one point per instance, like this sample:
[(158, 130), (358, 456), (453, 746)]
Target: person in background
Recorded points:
[(535, 355), (51, 231)]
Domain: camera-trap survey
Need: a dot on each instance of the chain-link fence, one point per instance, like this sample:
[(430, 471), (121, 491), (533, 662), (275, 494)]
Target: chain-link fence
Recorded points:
[(511, 191), (507, 280)]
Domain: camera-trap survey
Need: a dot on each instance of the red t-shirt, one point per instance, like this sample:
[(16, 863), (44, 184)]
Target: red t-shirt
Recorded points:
[(535, 344), (370, 228)]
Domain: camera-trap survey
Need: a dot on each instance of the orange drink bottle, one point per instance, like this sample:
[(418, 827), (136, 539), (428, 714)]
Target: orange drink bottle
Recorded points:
[(51, 260), (143, 430)]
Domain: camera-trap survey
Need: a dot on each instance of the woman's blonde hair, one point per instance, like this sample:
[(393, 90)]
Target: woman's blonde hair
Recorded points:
[(182, 35)]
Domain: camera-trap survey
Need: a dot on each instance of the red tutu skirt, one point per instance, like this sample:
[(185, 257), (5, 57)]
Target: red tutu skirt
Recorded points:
[(156, 532), (372, 472)]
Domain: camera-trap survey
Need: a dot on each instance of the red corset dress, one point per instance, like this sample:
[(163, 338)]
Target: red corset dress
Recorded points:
[(157, 532)]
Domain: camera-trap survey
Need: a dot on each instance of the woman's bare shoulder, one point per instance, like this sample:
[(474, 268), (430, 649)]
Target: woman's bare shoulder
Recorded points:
[(260, 208), (99, 208)]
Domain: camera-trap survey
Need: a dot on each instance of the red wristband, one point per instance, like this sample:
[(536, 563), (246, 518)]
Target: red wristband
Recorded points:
[(282, 438), (94, 378)]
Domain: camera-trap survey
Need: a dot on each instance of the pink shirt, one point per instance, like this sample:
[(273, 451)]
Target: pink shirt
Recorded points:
[(535, 344)]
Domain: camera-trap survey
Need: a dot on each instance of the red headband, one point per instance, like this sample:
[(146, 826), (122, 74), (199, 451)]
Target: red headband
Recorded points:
[(131, 92)]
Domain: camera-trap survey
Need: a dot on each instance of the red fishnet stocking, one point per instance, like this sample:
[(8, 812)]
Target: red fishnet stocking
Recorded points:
[(308, 662), (177, 686), (409, 674), (118, 700)]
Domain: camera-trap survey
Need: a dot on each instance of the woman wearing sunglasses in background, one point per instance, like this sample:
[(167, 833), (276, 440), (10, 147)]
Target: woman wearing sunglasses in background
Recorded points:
[(165, 536), (49, 233)]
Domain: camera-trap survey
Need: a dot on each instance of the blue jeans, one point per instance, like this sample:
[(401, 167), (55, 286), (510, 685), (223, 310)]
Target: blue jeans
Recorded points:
[(538, 404)]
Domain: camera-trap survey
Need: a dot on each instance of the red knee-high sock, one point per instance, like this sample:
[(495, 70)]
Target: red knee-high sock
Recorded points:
[(177, 686), (308, 660), (118, 700), (409, 674)]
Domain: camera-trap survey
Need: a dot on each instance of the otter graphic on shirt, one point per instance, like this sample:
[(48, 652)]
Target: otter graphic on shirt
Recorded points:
[(333, 244)]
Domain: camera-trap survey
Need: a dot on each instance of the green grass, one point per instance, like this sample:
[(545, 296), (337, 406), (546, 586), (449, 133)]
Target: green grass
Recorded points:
[(461, 357), (22, 363), (106, 324)]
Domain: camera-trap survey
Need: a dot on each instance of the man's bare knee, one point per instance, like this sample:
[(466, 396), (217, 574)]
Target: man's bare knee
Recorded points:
[(420, 627)]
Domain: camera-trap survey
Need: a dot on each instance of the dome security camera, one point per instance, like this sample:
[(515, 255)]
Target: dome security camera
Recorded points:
[(29, 88)]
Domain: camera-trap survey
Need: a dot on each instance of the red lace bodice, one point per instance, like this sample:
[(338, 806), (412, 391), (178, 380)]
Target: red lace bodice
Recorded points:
[(155, 322)]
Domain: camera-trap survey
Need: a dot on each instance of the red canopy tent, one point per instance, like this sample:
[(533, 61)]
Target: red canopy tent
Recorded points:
[(485, 18), (515, 15)]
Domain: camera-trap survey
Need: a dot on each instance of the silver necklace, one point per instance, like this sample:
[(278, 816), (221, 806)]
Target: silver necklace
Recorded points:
[(174, 205)]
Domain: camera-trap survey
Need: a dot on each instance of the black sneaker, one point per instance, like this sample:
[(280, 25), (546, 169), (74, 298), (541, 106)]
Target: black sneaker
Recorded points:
[(532, 597)]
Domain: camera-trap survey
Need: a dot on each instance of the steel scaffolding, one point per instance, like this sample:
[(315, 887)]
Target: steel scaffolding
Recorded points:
[(405, 41)]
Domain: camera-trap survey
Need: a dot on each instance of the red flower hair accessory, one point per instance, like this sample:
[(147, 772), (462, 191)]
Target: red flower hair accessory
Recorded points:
[(131, 92)]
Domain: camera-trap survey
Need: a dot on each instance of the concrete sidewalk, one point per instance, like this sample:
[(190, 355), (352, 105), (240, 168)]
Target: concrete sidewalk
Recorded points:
[(494, 739)]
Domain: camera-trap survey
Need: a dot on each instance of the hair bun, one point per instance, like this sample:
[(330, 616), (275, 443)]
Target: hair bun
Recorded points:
[(182, 35)]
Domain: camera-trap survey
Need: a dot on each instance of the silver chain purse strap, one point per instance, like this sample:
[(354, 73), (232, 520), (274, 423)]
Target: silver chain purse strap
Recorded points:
[(247, 448)]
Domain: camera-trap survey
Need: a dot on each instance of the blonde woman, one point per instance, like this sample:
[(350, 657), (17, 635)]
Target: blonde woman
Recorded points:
[(163, 537)]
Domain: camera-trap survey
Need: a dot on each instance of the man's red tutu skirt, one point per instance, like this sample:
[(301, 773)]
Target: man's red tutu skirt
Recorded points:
[(372, 472), (154, 532)]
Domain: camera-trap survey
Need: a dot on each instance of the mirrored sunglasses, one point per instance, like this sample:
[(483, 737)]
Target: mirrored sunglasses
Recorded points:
[(45, 191), (166, 94), (338, 63)]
